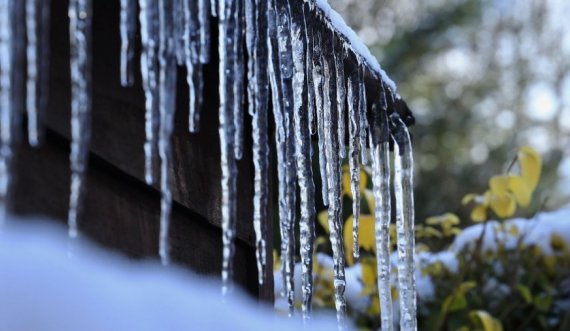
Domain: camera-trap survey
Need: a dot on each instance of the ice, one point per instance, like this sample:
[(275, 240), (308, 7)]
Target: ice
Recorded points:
[(363, 115), (226, 40), (192, 44), (148, 18), (334, 176), (80, 17), (204, 20), (339, 55), (312, 116), (179, 29), (167, 104), (380, 138), (303, 157), (239, 76), (256, 30), (403, 187), (6, 107), (354, 154), (318, 83), (128, 27)]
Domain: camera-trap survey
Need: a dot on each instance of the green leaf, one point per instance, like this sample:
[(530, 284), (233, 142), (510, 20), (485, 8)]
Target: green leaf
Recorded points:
[(454, 302), (525, 293), (543, 302), (488, 322)]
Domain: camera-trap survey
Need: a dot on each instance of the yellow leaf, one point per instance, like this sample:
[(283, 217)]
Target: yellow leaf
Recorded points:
[(323, 218), (499, 185), (479, 213), (557, 242), (366, 237), (368, 266), (369, 196), (487, 321), (468, 198), (503, 205), (530, 163), (520, 190)]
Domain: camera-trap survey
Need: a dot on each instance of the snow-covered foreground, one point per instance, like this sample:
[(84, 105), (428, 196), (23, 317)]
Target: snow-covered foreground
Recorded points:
[(45, 287)]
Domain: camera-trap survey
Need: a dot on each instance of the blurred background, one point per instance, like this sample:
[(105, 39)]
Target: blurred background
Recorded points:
[(483, 78)]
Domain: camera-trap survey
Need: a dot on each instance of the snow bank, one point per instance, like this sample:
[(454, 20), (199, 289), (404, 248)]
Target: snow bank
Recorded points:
[(44, 288)]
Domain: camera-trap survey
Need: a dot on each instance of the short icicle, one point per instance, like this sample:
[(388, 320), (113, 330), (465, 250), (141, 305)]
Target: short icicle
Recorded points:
[(167, 105), (354, 155), (204, 21), (318, 84), (303, 156), (128, 26), (380, 144), (148, 18), (239, 77), (339, 55), (363, 113), (80, 16), (226, 40), (33, 12), (403, 187), (192, 44), (334, 178)]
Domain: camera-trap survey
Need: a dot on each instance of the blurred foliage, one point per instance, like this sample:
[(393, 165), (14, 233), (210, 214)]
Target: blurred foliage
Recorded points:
[(510, 287)]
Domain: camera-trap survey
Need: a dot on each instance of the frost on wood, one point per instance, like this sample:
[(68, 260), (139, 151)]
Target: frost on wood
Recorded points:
[(297, 58)]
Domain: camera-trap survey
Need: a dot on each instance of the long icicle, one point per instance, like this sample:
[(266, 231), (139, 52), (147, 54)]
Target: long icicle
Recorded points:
[(167, 105), (128, 31), (80, 17), (256, 36), (277, 98), (354, 155), (148, 18), (303, 156), (334, 179), (283, 21), (339, 55), (312, 116), (403, 187), (226, 26), (380, 144), (6, 106)]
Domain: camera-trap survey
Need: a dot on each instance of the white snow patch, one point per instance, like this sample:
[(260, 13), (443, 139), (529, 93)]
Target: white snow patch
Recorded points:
[(44, 289)]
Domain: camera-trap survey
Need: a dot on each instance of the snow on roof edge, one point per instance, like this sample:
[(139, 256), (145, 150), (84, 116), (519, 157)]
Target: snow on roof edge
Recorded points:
[(357, 46)]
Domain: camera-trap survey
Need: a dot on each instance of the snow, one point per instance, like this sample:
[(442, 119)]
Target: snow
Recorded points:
[(535, 231), (354, 42), (44, 289)]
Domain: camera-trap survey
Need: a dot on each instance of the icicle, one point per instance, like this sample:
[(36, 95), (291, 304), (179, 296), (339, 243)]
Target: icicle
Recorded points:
[(312, 117), (167, 105), (226, 40), (339, 55), (288, 205), (128, 33), (256, 36), (334, 179), (319, 81), (379, 141), (403, 187), (32, 8), (238, 81), (303, 156), (80, 40), (149, 69), (214, 7), (179, 29), (6, 107), (192, 60), (363, 119), (204, 21), (353, 156)]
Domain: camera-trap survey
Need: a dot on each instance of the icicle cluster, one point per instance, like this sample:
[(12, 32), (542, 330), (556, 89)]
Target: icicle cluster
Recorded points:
[(297, 55)]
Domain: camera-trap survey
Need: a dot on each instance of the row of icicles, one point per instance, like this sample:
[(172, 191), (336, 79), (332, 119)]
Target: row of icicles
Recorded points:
[(289, 61)]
